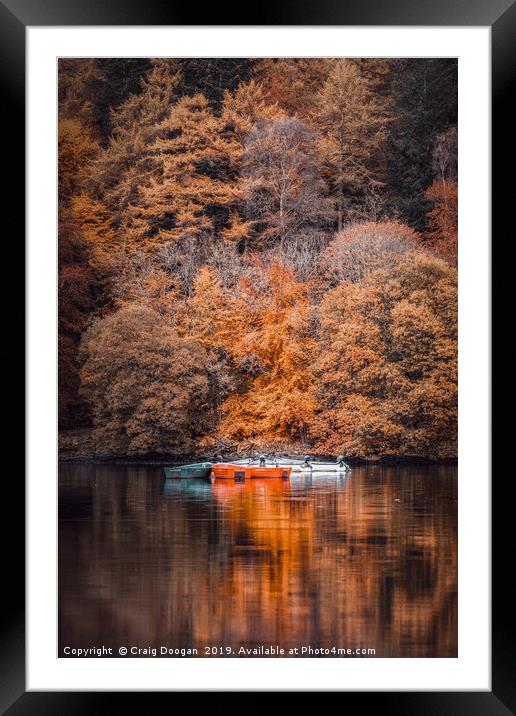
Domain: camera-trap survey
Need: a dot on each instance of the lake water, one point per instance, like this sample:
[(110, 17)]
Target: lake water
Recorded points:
[(366, 561)]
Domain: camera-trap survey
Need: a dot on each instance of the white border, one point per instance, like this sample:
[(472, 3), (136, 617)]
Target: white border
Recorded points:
[(471, 670)]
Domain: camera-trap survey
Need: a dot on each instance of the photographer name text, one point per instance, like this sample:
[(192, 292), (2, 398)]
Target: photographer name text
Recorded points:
[(220, 651)]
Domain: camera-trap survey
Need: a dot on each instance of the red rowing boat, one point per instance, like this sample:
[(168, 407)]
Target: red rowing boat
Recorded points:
[(227, 471)]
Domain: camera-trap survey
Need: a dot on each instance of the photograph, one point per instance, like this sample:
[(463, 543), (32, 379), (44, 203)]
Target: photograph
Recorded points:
[(257, 357)]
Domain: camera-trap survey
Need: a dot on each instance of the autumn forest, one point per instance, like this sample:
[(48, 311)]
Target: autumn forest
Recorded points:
[(258, 255)]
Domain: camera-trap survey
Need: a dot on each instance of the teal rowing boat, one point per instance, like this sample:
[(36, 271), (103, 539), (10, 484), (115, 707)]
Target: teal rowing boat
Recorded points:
[(181, 472)]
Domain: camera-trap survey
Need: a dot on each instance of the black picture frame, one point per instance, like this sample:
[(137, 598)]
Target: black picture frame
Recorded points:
[(500, 15)]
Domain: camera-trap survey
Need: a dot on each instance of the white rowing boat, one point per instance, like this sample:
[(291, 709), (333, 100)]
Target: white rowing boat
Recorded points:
[(321, 467), (305, 466)]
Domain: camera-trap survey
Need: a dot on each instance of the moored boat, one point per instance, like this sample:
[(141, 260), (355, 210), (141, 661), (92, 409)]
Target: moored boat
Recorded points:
[(321, 467), (297, 465), (234, 471), (195, 470)]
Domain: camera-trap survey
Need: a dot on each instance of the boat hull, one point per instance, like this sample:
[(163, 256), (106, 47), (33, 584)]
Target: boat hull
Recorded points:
[(320, 467), (184, 472), (228, 471)]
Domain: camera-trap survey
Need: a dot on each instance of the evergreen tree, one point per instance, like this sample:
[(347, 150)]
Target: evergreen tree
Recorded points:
[(352, 120), (127, 162), (76, 151), (213, 77), (273, 349), (246, 106), (195, 181), (78, 288), (293, 83), (425, 105)]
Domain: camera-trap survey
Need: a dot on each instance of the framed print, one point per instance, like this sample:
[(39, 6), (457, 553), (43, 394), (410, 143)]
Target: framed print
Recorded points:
[(258, 358)]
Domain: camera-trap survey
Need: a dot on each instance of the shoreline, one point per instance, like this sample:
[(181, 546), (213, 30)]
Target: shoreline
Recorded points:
[(78, 448), (394, 461)]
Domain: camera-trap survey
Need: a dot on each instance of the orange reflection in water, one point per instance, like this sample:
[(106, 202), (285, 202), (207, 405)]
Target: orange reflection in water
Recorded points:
[(363, 561)]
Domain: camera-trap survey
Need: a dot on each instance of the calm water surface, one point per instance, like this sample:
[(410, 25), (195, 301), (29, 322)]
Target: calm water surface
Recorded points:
[(363, 561)]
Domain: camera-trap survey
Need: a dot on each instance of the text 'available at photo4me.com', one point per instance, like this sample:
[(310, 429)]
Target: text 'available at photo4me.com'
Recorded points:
[(216, 651)]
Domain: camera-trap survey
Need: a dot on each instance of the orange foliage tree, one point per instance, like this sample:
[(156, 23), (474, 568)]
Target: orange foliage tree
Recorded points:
[(127, 162), (194, 180), (352, 120), (76, 150), (387, 365), (247, 105), (80, 81), (148, 386), (95, 222), (272, 349), (78, 287), (293, 83), (443, 192), (213, 320), (443, 218)]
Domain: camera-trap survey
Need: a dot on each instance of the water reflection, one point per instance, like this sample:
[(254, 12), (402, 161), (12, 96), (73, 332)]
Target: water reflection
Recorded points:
[(365, 560)]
